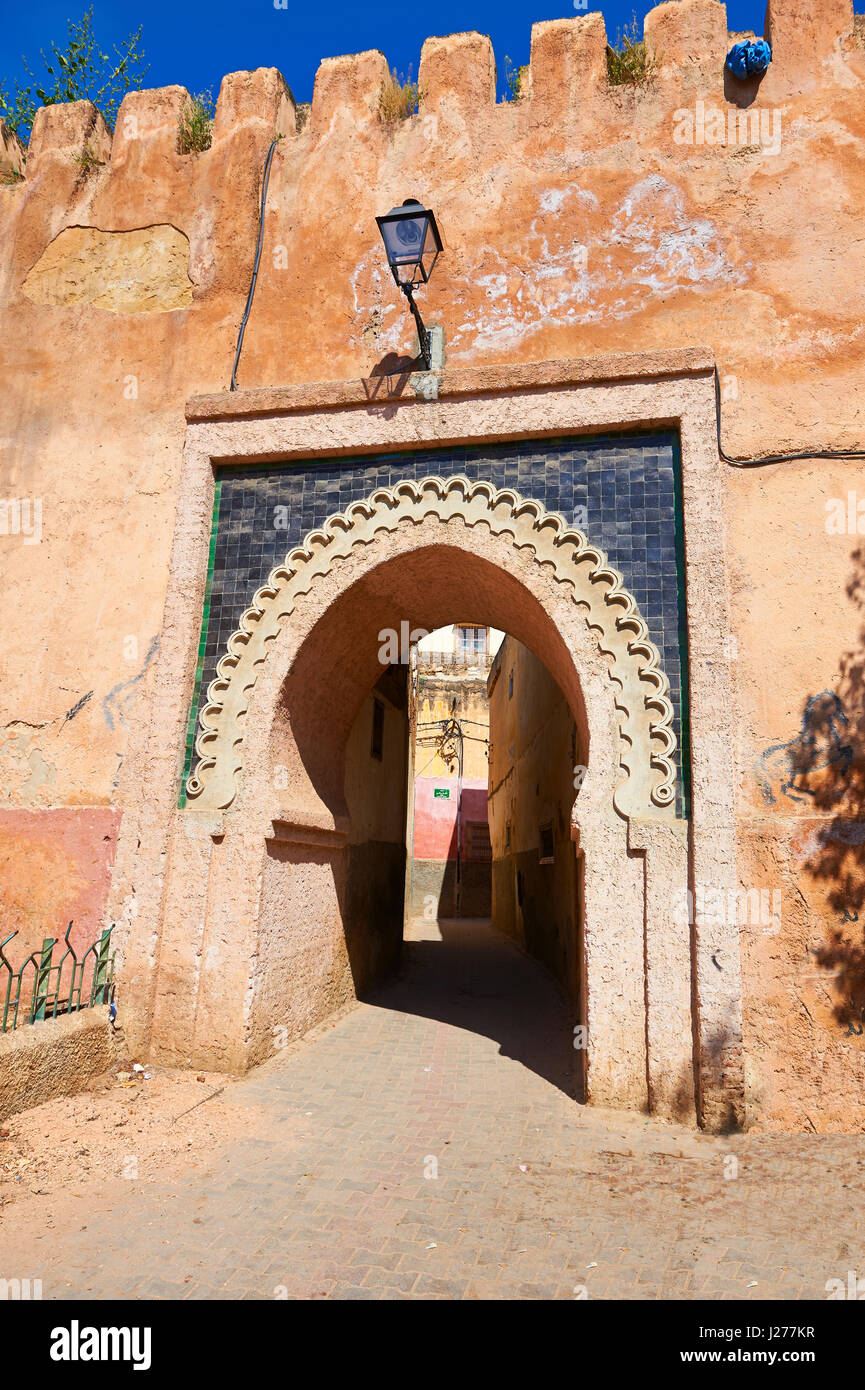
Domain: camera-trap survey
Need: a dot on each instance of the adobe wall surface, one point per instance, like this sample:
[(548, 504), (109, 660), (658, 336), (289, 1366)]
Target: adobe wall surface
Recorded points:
[(352, 888), (55, 868), (580, 221), (376, 791), (797, 666), (57, 1057)]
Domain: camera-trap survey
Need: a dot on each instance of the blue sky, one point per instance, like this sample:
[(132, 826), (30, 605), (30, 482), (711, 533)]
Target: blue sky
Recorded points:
[(195, 44)]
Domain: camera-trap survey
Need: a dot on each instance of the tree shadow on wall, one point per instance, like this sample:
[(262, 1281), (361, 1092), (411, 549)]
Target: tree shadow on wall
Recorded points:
[(823, 767), (720, 1111)]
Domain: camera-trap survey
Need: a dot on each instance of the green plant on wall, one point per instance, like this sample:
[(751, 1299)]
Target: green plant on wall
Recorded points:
[(87, 161), (195, 125), (399, 98), (75, 71), (629, 62), (516, 78)]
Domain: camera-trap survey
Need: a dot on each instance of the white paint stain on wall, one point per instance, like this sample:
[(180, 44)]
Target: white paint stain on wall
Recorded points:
[(576, 265)]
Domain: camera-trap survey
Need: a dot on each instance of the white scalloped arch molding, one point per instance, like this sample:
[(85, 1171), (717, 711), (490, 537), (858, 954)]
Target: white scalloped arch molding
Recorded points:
[(641, 689)]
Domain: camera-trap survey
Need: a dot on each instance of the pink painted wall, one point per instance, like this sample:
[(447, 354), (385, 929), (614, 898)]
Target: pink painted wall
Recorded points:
[(55, 867), (435, 817)]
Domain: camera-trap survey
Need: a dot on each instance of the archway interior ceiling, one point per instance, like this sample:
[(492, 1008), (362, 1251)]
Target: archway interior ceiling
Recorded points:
[(621, 491)]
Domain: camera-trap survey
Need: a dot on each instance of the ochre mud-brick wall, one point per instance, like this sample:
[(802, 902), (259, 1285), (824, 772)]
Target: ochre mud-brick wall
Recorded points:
[(581, 220)]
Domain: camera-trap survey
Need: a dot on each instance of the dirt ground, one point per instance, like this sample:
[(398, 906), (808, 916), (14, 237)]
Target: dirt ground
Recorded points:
[(425, 1145), (57, 1158)]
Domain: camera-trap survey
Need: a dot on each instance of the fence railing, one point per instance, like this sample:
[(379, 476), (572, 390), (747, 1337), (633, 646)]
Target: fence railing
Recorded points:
[(37, 991), (454, 661)]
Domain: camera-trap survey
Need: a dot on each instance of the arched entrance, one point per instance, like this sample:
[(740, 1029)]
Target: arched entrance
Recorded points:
[(286, 697), (218, 958)]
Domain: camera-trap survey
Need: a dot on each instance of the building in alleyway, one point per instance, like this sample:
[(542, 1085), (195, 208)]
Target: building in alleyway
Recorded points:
[(535, 767), (449, 843)]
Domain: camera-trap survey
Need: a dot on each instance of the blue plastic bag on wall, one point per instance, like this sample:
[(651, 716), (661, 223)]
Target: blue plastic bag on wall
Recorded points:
[(749, 59)]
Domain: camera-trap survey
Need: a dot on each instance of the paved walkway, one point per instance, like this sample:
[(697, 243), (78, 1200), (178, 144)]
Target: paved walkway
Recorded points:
[(428, 1146)]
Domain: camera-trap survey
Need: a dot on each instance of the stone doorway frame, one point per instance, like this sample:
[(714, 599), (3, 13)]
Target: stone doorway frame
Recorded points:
[(668, 1004)]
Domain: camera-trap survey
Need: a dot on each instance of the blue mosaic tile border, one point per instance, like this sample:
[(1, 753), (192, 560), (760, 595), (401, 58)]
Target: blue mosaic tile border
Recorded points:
[(626, 486)]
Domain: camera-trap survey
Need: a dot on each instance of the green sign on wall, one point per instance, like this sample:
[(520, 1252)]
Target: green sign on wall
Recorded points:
[(443, 792)]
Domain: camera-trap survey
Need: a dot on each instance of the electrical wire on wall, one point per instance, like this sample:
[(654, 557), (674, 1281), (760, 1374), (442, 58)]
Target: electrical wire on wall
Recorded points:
[(776, 458), (249, 298)]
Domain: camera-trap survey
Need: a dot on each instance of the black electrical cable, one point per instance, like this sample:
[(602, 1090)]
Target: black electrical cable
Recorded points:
[(776, 458), (251, 295)]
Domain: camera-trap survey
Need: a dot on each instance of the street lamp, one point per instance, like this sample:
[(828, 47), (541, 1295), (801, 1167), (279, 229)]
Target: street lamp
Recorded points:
[(412, 244)]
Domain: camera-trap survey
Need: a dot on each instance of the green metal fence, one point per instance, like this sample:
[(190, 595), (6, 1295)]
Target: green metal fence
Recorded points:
[(38, 990)]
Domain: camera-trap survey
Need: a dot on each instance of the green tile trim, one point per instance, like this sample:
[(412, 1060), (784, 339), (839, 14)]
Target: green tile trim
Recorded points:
[(685, 708), (192, 722)]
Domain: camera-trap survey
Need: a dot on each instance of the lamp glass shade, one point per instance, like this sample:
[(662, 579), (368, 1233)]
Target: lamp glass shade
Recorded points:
[(411, 242)]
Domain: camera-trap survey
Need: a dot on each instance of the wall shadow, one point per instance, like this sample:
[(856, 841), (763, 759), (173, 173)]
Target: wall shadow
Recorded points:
[(388, 381), (470, 976), (742, 91)]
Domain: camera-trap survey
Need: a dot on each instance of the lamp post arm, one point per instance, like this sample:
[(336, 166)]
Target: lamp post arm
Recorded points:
[(422, 333)]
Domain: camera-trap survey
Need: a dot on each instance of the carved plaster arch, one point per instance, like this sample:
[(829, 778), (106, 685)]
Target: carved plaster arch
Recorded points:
[(641, 689)]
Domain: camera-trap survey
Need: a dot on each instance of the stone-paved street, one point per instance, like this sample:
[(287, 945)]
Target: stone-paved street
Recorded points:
[(426, 1146)]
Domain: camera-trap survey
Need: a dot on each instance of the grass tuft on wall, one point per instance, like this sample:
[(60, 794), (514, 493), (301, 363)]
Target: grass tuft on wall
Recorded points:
[(629, 62), (399, 98), (195, 126)]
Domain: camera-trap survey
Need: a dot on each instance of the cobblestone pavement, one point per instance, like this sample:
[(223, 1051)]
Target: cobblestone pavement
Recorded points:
[(426, 1146)]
